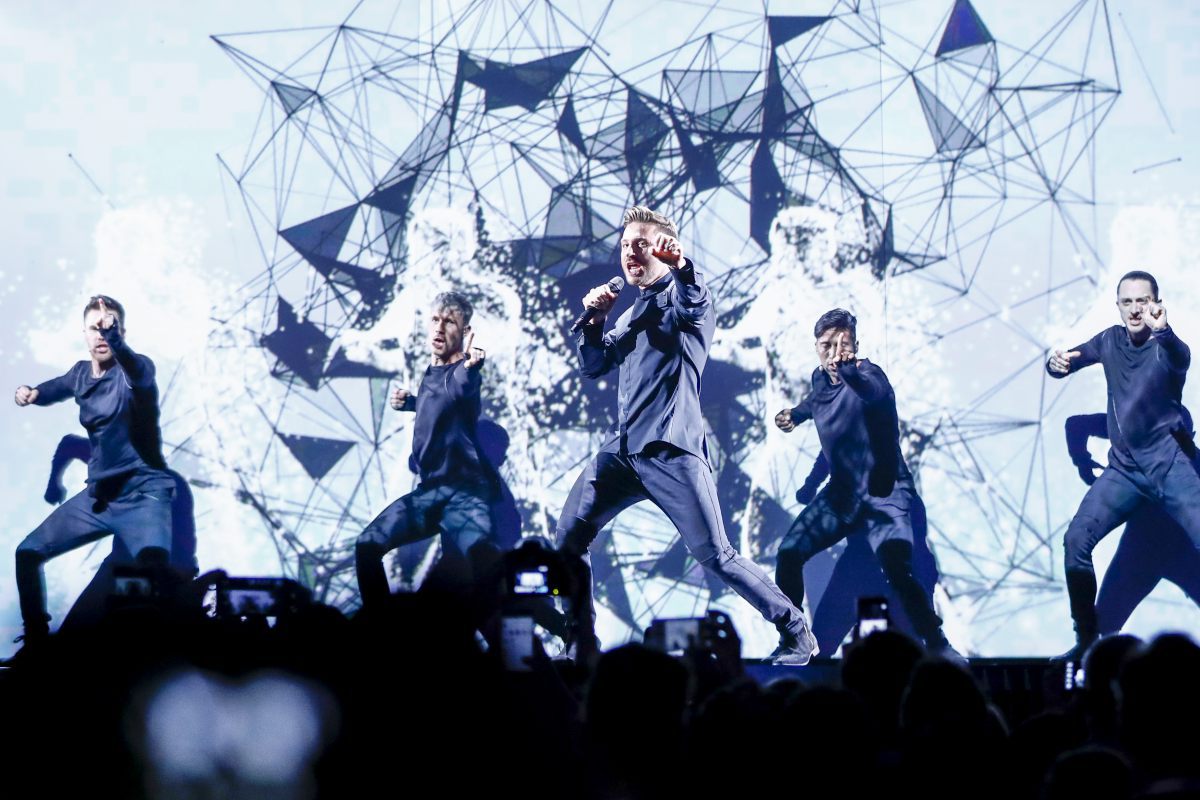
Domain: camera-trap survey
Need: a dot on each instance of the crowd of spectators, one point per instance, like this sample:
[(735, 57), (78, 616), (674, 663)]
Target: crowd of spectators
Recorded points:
[(408, 701)]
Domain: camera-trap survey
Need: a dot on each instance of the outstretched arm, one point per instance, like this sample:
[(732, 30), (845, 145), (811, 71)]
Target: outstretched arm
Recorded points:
[(691, 298), (1061, 364), (1179, 356), (47, 393), (789, 418), (871, 385), (139, 369)]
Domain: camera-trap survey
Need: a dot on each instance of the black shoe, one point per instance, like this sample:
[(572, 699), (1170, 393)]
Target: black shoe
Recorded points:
[(795, 649), (1083, 641)]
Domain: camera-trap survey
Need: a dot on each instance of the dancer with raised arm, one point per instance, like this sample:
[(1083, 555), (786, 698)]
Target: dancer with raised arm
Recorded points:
[(457, 483), (129, 490), (1151, 452), (871, 491)]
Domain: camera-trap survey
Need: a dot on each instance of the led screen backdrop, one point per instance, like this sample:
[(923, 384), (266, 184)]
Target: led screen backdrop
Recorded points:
[(931, 166)]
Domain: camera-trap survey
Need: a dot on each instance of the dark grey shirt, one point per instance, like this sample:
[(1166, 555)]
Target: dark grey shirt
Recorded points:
[(860, 438), (445, 440), (119, 410), (661, 346), (1145, 394)]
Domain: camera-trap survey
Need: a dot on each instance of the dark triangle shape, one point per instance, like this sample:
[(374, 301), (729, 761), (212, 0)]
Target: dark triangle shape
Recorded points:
[(948, 131), (699, 161), (366, 282), (887, 249), (292, 97), (965, 29), (527, 85), (610, 583), (394, 199), (767, 194), (644, 131), (301, 347), (672, 564), (315, 454), (568, 126), (783, 29), (323, 235)]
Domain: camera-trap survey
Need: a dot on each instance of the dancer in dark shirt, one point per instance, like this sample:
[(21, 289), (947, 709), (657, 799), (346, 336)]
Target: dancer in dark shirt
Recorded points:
[(129, 490), (1152, 548), (656, 451), (1150, 458), (457, 483), (871, 492)]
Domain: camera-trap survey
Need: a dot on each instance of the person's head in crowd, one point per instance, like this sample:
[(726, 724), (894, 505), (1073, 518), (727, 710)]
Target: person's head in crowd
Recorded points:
[(877, 669), (1159, 700), (1101, 666), (1094, 773)]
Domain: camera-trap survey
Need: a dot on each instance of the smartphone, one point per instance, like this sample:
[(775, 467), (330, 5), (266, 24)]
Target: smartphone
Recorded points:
[(872, 616), (516, 643), (674, 636)]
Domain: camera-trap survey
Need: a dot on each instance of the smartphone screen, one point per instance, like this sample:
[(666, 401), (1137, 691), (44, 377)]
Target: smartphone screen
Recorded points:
[(678, 632), (872, 616), (516, 642)]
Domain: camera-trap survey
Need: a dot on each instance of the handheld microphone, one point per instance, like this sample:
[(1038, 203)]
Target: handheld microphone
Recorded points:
[(615, 286)]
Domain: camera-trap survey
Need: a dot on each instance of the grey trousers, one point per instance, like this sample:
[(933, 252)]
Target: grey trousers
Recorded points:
[(681, 485)]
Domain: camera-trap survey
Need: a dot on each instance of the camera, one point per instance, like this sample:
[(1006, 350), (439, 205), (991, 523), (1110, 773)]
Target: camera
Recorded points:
[(536, 603)]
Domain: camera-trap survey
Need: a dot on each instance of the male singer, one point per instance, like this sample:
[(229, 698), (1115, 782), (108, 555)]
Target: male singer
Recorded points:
[(656, 450)]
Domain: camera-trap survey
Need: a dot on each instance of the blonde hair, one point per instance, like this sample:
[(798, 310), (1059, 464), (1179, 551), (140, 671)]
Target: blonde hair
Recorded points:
[(643, 214)]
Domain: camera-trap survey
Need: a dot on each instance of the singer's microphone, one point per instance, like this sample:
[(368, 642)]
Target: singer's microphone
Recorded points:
[(615, 286)]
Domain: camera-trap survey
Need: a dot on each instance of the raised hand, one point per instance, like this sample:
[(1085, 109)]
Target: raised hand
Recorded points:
[(1156, 316), (397, 398), (475, 355), (668, 250), (783, 421), (25, 395), (1060, 362), (107, 318), (601, 298), (846, 349)]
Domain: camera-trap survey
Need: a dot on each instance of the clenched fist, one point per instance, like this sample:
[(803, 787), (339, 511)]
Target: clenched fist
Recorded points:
[(25, 396), (398, 398), (1060, 362)]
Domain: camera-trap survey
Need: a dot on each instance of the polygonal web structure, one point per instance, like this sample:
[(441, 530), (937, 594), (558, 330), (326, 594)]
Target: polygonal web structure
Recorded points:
[(906, 165)]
